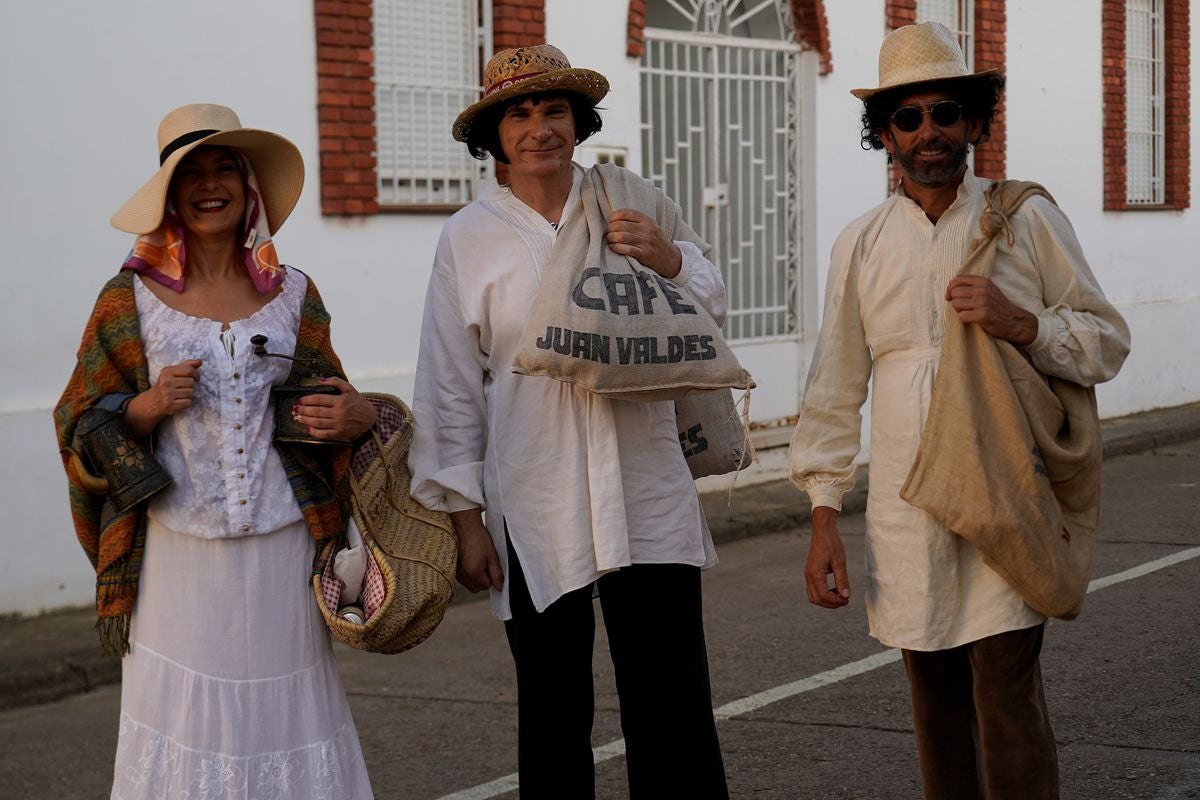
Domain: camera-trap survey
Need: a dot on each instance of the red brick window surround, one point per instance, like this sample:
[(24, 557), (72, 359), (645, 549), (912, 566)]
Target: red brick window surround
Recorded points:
[(346, 106), (518, 23), (988, 52), (1176, 95), (808, 19), (346, 115)]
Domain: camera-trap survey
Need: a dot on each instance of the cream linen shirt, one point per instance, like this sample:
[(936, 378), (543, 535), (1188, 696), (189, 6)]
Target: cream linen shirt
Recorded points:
[(586, 484), (927, 588)]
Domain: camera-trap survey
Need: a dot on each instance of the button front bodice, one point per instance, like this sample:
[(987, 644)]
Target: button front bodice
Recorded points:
[(228, 479)]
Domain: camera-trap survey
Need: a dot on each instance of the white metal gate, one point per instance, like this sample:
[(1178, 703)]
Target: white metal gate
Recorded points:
[(720, 135)]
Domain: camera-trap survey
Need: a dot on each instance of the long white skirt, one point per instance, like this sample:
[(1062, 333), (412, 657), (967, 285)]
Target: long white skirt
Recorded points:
[(230, 691)]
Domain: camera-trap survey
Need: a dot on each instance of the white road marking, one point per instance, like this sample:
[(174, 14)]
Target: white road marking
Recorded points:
[(1144, 569), (754, 702), (757, 701)]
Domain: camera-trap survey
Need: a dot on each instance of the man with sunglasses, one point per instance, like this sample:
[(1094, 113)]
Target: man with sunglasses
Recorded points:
[(971, 645)]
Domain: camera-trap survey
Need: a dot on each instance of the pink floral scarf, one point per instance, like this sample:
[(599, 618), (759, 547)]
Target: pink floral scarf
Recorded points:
[(160, 255)]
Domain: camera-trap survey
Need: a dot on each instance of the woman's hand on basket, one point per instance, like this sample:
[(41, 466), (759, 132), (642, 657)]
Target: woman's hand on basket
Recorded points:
[(478, 563), (345, 416)]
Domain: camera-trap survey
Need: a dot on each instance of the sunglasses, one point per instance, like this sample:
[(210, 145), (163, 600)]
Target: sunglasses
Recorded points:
[(944, 112)]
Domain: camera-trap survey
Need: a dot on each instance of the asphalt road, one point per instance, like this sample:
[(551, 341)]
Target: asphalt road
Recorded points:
[(810, 706)]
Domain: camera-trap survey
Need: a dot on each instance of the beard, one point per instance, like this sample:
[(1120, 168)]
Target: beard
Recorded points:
[(951, 158)]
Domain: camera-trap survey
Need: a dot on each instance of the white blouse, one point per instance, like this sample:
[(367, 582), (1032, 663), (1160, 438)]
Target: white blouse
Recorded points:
[(228, 479), (586, 484)]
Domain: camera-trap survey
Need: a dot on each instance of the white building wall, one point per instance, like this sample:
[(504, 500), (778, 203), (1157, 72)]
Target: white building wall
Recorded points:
[(1147, 261), (593, 36), (85, 85), (84, 88)]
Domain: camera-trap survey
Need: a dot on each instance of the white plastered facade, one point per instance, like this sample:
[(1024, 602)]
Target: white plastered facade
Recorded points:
[(85, 85)]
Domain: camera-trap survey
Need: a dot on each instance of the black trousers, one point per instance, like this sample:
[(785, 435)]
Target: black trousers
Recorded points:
[(652, 614), (979, 712)]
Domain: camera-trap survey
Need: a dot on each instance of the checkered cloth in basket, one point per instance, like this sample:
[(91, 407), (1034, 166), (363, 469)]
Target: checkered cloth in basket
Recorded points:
[(411, 550)]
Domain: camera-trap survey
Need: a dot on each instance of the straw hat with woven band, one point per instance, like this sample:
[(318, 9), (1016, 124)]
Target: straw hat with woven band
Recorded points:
[(277, 164), (528, 70), (925, 53)]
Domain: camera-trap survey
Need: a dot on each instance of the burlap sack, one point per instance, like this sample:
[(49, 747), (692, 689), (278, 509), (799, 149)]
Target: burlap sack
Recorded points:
[(1009, 458), (614, 327), (713, 434)]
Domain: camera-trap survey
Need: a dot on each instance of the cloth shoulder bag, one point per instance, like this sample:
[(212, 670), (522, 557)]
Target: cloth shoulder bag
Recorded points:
[(411, 550), (714, 436), (1010, 458), (618, 329)]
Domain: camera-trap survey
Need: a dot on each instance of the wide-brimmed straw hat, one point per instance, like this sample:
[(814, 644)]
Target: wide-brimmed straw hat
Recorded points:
[(923, 53), (277, 164), (528, 70)]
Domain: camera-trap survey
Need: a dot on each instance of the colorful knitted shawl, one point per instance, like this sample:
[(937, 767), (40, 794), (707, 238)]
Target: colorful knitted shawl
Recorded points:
[(111, 360)]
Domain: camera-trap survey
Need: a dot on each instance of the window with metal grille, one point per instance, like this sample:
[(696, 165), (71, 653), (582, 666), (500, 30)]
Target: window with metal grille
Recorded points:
[(1145, 138), (427, 57), (958, 16)]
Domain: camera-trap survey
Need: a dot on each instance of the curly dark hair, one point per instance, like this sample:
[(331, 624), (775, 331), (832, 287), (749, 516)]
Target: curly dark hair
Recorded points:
[(483, 137), (979, 97)]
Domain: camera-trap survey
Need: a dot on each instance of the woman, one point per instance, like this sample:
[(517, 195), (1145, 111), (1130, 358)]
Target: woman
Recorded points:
[(580, 490), (229, 686)]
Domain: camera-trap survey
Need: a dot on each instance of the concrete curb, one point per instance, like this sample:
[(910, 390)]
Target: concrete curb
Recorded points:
[(47, 658)]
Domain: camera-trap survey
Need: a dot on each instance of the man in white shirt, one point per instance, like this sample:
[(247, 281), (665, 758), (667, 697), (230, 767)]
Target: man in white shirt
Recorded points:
[(971, 644), (581, 491)]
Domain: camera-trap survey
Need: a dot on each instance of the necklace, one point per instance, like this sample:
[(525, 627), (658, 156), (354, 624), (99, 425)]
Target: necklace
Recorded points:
[(554, 225)]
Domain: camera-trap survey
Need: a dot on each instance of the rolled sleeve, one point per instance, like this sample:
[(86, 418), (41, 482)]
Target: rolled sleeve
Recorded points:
[(1081, 337)]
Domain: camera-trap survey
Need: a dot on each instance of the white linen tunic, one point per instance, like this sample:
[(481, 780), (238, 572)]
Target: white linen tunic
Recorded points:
[(927, 588), (230, 689), (587, 484)]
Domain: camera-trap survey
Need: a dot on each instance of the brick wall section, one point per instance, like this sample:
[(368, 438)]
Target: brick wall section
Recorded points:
[(516, 23), (1178, 100), (1112, 71), (346, 107), (808, 16), (900, 13), (990, 25), (635, 29), (1177, 182), (812, 28)]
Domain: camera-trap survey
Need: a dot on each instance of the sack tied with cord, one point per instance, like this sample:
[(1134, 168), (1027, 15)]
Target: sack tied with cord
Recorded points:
[(1010, 458), (618, 329)]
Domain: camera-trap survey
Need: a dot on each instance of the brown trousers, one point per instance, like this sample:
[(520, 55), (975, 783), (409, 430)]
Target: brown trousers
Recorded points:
[(979, 713)]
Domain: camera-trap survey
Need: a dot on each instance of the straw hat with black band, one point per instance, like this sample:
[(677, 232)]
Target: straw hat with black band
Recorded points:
[(277, 164), (528, 70), (920, 54)]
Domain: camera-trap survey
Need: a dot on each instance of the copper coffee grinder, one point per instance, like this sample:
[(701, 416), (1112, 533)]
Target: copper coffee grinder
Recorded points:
[(284, 397)]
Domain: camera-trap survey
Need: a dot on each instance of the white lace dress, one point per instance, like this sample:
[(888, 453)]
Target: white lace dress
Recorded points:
[(230, 691)]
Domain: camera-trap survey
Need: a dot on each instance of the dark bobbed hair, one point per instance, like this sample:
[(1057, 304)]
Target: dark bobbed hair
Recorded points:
[(483, 137), (979, 96)]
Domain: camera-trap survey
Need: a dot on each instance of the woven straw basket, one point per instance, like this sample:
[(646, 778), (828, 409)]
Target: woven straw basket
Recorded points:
[(412, 550)]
